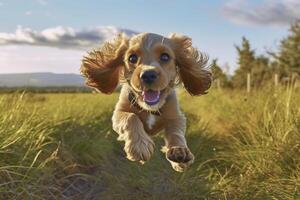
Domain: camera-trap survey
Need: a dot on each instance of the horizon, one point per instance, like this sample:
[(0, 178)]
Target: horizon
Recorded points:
[(44, 35)]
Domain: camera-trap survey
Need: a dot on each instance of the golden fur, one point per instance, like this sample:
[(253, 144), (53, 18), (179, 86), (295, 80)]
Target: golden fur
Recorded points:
[(135, 121)]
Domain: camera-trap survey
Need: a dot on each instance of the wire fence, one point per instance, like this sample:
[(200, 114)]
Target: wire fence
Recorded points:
[(275, 81)]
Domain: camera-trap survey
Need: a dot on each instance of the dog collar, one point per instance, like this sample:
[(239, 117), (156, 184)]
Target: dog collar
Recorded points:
[(132, 99)]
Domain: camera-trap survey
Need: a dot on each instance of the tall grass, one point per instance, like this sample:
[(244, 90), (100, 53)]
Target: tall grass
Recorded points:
[(61, 146), (259, 154), (41, 141)]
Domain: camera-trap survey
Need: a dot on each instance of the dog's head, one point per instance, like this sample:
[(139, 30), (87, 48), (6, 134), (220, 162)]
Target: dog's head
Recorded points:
[(150, 64)]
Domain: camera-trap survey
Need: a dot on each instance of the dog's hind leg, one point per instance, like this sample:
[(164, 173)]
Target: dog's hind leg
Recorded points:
[(138, 145)]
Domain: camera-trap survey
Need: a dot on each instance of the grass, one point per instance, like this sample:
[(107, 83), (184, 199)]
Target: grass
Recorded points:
[(61, 146)]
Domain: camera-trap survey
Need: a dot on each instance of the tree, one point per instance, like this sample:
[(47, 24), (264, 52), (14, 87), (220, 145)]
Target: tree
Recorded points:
[(218, 74), (288, 57), (261, 71), (246, 61)]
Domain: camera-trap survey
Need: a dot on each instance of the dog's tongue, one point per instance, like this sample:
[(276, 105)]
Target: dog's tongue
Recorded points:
[(151, 97)]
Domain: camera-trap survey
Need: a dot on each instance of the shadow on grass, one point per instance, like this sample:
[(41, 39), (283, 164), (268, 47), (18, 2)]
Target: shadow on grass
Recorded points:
[(98, 168)]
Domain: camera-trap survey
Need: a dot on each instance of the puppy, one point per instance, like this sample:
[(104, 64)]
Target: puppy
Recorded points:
[(149, 66)]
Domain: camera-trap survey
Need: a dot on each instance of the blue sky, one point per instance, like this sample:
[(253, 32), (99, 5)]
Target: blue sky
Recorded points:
[(33, 32)]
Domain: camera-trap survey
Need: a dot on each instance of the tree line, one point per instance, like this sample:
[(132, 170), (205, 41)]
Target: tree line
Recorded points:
[(284, 63)]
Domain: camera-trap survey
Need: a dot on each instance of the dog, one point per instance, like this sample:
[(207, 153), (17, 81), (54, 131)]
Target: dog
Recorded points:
[(149, 66)]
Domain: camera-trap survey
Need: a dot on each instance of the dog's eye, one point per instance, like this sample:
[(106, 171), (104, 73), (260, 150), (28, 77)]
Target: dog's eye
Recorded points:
[(164, 57), (133, 58)]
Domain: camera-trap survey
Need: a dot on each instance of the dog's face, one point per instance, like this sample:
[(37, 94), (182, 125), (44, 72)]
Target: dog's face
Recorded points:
[(150, 64), (150, 68)]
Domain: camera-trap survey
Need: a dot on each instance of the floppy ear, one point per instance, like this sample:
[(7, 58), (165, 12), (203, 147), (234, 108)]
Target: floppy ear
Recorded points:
[(192, 65), (102, 66)]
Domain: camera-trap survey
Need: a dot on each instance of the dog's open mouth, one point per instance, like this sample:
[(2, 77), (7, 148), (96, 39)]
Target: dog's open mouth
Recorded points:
[(151, 97)]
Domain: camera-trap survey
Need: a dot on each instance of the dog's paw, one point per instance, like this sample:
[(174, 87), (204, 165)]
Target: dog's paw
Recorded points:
[(180, 158), (140, 149), (179, 154)]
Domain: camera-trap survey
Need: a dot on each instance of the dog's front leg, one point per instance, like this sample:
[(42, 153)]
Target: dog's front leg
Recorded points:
[(138, 145), (177, 151)]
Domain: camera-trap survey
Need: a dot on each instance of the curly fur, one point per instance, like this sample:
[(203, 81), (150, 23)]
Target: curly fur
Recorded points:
[(102, 66), (195, 77), (105, 67)]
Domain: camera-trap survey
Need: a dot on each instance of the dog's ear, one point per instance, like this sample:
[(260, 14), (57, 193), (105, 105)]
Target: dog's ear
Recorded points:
[(102, 66), (193, 73)]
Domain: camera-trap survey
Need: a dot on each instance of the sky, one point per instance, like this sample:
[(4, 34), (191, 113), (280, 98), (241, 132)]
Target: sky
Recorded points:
[(53, 35)]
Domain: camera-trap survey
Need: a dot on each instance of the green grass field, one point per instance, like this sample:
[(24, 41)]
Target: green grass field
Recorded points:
[(62, 146)]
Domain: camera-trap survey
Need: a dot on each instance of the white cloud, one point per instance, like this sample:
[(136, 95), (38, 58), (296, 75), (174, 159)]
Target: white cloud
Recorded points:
[(1, 4), (61, 37), (269, 12), (27, 50), (28, 13), (42, 2)]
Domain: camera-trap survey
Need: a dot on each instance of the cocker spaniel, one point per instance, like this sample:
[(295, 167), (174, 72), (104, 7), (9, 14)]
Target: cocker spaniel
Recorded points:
[(149, 66)]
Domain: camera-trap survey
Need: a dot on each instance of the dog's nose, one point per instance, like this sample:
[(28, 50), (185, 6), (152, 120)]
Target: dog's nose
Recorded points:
[(149, 76)]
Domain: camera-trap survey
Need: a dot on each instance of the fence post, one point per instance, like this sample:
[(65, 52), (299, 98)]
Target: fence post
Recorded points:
[(248, 83), (218, 84), (276, 80)]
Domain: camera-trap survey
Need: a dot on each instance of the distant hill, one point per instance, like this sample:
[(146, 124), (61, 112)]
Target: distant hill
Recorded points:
[(41, 80)]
